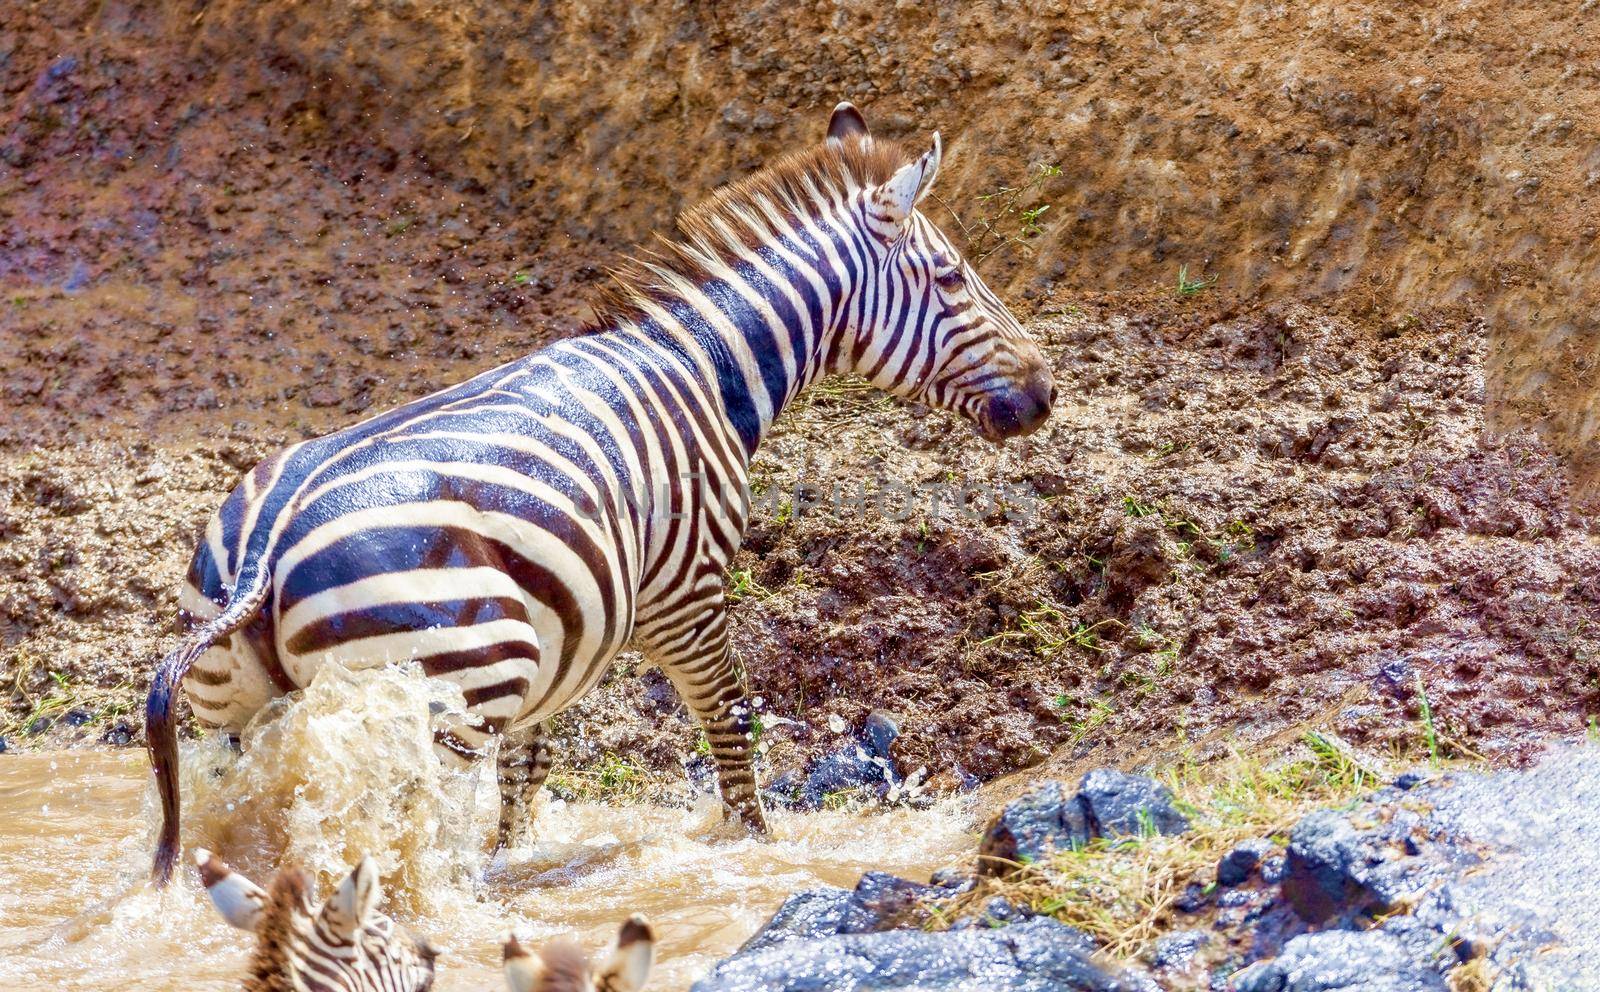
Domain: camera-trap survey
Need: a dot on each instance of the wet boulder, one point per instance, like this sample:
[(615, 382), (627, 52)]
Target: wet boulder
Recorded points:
[(1108, 803), (1039, 955), (879, 901), (1179, 951), (850, 767), (953, 881), (864, 763), (996, 911), (804, 915), (120, 734), (1236, 867), (879, 733), (1117, 803), (1336, 872), (1342, 961), (847, 770), (882, 900), (1030, 828)]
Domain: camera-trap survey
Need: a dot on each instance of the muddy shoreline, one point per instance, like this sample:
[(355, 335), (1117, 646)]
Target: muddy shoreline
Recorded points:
[(1288, 504)]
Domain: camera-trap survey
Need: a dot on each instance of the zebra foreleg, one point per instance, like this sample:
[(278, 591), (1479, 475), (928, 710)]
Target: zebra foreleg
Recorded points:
[(705, 678), (524, 763)]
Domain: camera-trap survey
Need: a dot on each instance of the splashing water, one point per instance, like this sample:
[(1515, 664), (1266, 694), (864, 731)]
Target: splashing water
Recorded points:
[(348, 767)]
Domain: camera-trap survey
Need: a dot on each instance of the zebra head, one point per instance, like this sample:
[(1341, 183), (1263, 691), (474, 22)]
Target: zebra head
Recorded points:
[(345, 945), (927, 328), (563, 967)]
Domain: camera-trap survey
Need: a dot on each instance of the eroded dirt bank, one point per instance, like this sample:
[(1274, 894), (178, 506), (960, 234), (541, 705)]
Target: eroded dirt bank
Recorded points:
[(1424, 153), (1246, 515)]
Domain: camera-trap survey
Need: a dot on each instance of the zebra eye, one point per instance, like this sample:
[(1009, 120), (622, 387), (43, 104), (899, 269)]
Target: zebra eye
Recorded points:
[(949, 280)]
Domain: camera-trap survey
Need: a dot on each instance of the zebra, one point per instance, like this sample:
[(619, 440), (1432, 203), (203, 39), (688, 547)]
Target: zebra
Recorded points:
[(561, 966), (346, 945), (513, 533)]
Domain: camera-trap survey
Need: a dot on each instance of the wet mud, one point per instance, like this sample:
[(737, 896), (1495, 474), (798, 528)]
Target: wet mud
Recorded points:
[(1247, 516)]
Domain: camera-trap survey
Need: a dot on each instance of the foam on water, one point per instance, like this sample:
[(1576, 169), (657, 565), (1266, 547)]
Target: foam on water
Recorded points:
[(348, 768)]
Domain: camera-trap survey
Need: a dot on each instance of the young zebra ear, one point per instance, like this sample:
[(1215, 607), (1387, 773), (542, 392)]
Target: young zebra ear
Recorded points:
[(348, 909), (627, 967), (523, 967), (238, 899), (560, 966), (896, 198), (847, 123)]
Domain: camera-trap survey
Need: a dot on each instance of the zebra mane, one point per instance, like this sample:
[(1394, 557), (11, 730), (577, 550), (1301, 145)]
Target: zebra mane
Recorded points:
[(730, 220), (288, 907)]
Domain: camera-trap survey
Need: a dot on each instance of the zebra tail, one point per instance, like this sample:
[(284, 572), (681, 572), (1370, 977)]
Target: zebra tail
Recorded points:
[(160, 722)]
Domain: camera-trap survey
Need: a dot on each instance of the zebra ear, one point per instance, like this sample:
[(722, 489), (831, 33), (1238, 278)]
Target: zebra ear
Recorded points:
[(847, 123), (348, 909), (896, 198), (627, 967), (523, 967), (238, 899)]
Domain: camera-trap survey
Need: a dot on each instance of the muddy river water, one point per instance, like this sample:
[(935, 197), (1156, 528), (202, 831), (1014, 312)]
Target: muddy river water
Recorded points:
[(321, 782)]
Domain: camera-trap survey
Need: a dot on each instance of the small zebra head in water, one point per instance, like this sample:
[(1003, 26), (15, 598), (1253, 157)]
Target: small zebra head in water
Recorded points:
[(345, 945), (563, 967), (927, 328)]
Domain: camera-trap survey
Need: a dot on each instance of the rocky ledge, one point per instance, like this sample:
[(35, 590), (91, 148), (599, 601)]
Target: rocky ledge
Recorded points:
[(1434, 883)]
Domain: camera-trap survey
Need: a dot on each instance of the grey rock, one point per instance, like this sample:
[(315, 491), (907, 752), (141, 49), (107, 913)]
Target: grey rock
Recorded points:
[(1335, 871), (1039, 955), (1108, 803), (1273, 869), (1236, 866), (850, 767), (787, 790), (880, 900), (1532, 841), (880, 731), (1118, 803), (804, 915), (120, 734), (1411, 779), (1178, 950), (1041, 822), (951, 879), (996, 911), (1193, 899), (1341, 961)]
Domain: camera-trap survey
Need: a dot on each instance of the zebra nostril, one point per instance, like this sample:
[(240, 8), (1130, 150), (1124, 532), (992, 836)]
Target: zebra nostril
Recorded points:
[(1053, 394)]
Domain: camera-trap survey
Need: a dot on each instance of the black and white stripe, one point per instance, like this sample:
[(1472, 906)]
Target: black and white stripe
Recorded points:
[(513, 533), (343, 945)]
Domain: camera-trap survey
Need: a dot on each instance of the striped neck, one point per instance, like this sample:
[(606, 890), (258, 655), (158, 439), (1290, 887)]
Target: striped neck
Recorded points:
[(769, 319)]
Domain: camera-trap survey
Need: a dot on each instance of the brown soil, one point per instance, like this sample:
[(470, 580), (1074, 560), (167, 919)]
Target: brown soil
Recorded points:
[(1425, 153), (223, 228)]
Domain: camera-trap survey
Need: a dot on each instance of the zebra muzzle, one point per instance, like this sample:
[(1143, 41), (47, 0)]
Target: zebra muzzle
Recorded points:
[(1018, 411)]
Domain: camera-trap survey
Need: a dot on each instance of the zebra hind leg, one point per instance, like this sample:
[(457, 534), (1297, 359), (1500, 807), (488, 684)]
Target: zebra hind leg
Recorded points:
[(524, 763), (727, 723), (701, 668), (712, 692)]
